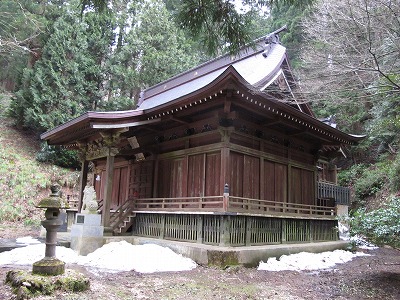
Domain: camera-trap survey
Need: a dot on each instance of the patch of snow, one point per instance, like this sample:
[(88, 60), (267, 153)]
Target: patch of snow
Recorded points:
[(27, 240), (112, 257), (148, 258), (344, 232), (308, 261), (32, 253), (362, 243)]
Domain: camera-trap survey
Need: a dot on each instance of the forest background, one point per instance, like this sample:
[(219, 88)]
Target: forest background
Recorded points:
[(61, 58)]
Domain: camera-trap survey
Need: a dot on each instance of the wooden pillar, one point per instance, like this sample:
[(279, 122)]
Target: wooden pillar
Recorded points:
[(283, 231), (316, 186), (249, 229), (185, 172), (162, 229), (224, 167), (225, 229), (155, 179), (83, 181), (108, 188), (289, 187), (200, 229), (225, 160)]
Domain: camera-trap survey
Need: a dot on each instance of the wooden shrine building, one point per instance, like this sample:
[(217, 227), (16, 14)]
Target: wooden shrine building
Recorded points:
[(223, 154)]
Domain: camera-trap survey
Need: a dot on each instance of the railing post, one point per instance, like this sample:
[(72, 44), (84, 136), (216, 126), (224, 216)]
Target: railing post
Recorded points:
[(225, 199)]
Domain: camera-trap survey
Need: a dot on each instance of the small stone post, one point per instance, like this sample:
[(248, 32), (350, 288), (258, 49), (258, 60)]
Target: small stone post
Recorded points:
[(50, 265), (225, 198)]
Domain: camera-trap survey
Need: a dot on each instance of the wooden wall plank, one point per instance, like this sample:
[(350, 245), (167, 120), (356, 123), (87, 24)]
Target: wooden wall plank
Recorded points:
[(251, 179), (213, 174), (196, 175), (236, 174)]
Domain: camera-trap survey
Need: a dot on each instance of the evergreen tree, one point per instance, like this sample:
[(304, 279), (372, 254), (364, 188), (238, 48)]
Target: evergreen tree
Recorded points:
[(21, 32), (66, 81), (292, 16), (219, 24), (100, 62), (149, 50)]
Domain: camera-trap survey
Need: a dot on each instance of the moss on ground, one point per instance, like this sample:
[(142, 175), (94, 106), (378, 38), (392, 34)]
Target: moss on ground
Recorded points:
[(27, 285)]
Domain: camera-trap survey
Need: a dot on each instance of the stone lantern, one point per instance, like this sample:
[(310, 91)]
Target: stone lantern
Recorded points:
[(50, 265)]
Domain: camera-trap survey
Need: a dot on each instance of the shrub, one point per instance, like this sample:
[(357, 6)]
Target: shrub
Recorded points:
[(395, 175), (380, 226), (349, 176), (59, 156)]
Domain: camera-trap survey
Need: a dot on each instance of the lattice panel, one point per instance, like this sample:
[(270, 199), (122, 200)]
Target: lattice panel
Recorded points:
[(148, 225), (211, 229), (181, 227), (297, 230), (265, 230), (237, 232), (324, 230)]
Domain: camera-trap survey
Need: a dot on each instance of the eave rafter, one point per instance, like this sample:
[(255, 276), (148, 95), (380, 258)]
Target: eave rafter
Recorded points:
[(166, 112), (297, 118)]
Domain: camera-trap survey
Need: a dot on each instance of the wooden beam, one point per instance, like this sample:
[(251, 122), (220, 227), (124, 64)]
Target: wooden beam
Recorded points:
[(297, 132), (108, 187), (179, 120), (229, 115), (83, 182), (96, 125), (271, 122), (227, 106)]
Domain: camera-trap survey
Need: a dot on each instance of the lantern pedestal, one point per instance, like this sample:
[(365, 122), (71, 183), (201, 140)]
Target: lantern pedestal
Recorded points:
[(50, 265)]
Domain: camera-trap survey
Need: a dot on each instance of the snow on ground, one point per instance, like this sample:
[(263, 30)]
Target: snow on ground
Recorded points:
[(149, 258), (308, 261), (112, 257), (32, 253), (362, 243), (27, 240)]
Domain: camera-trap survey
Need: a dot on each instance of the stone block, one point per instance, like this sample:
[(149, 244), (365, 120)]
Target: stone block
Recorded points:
[(89, 231), (86, 233), (85, 245), (88, 219)]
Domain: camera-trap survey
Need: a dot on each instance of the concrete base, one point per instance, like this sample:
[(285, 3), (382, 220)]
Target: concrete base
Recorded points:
[(87, 234), (225, 256)]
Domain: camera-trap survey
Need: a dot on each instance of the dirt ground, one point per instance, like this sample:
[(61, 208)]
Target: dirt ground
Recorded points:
[(367, 277)]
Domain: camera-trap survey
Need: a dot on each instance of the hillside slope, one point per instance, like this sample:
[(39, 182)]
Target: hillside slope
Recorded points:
[(23, 180)]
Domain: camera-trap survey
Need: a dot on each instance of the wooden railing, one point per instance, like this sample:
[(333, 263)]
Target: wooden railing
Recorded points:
[(341, 195), (230, 204), (72, 202), (118, 216), (239, 204), (212, 203)]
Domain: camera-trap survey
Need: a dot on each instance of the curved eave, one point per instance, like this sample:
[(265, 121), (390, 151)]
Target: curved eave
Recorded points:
[(231, 79), (84, 124), (229, 76), (256, 69)]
